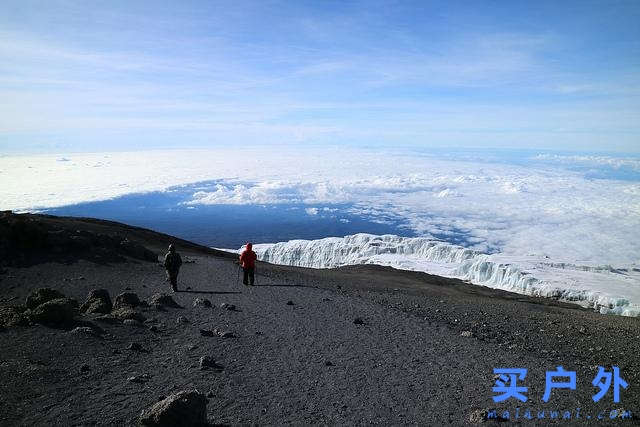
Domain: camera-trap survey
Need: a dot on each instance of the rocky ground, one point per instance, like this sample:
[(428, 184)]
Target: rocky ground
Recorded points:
[(357, 345)]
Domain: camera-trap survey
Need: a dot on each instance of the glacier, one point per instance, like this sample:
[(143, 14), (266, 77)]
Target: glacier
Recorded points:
[(603, 288)]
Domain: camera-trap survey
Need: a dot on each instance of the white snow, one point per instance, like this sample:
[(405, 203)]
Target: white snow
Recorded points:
[(603, 288)]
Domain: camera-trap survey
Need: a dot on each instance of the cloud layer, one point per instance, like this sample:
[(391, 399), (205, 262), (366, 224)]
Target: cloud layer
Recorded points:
[(497, 207)]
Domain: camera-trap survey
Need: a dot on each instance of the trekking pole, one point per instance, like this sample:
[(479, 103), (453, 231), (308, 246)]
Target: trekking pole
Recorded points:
[(238, 276)]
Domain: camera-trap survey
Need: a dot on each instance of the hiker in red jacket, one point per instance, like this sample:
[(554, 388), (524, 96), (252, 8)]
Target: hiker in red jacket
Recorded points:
[(248, 263)]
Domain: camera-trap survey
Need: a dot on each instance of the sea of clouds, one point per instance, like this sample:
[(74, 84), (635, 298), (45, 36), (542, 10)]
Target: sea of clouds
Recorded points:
[(547, 205)]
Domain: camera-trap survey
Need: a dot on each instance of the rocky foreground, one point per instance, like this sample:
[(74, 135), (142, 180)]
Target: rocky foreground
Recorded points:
[(91, 335)]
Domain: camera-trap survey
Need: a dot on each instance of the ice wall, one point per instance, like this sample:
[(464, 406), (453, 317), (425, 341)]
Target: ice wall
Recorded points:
[(603, 288)]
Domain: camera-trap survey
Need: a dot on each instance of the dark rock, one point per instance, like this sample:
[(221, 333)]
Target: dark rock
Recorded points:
[(42, 295), (55, 312), (227, 306), (201, 302), (358, 321), (289, 302), (210, 395), (206, 333), (163, 300), (98, 301), (328, 363), (182, 320), (85, 368), (126, 300), (207, 362), (154, 329), (186, 408)]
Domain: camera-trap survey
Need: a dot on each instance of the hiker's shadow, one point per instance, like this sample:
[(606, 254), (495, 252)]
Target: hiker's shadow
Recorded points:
[(191, 291)]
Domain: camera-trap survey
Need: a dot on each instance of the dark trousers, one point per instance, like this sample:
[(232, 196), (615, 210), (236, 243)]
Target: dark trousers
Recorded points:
[(248, 277), (173, 279)]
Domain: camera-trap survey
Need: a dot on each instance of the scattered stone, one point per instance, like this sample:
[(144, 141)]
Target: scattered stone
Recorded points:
[(13, 316), (483, 415), (154, 329), (227, 306), (201, 302), (134, 346), (622, 413), (210, 395), (98, 301), (163, 300), (358, 321), (467, 334), (186, 408), (84, 368), (289, 302), (84, 330), (128, 313), (207, 362), (182, 319), (224, 334), (126, 300), (139, 378), (206, 333), (191, 347), (107, 318), (328, 363), (132, 322), (54, 312), (42, 295)]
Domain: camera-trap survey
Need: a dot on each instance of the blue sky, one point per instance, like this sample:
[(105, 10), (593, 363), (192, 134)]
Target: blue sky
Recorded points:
[(103, 76)]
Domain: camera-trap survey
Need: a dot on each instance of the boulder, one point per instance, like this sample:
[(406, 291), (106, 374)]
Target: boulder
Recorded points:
[(186, 408), (163, 300), (126, 299), (201, 302), (42, 295), (98, 301), (55, 312)]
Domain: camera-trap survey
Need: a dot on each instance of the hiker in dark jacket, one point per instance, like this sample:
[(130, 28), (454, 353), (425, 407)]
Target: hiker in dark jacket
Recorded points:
[(248, 263), (172, 263)]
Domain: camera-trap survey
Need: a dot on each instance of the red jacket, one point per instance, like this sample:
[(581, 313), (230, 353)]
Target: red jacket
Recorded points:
[(248, 257)]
